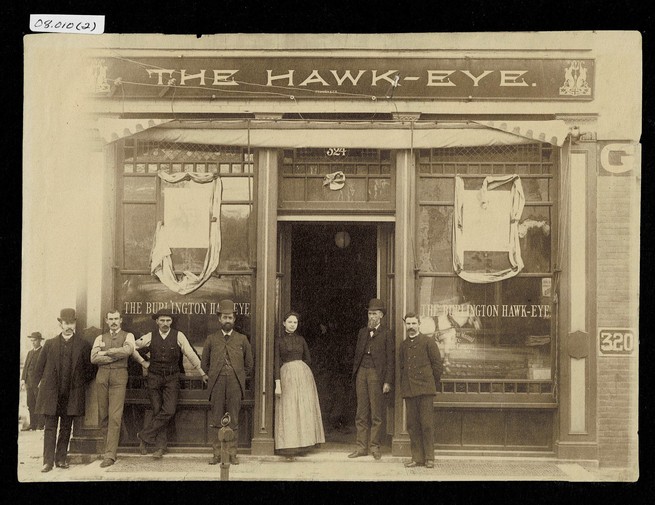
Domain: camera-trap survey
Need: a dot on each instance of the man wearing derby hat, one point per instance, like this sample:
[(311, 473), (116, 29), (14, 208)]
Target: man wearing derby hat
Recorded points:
[(166, 347), (373, 370), (28, 382), (228, 357), (62, 371)]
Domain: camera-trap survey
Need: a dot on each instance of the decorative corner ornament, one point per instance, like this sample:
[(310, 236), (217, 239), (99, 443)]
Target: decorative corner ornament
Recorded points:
[(335, 181), (97, 76), (575, 80)]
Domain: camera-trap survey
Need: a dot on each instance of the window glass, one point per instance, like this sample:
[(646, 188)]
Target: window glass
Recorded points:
[(495, 330), (488, 331), (139, 188), (235, 245), (434, 238), (139, 223), (140, 296)]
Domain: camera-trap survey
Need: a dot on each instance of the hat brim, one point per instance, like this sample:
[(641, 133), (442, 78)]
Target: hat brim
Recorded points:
[(61, 320), (157, 316)]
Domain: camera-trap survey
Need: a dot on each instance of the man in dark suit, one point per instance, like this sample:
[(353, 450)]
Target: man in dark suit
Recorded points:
[(62, 371), (373, 370), (27, 381), (420, 373), (228, 357)]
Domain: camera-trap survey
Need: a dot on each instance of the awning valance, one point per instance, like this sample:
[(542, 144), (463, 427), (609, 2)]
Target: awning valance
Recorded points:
[(554, 131), (111, 129)]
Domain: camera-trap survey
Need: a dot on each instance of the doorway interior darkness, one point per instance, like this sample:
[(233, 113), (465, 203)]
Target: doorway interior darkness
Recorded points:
[(333, 276)]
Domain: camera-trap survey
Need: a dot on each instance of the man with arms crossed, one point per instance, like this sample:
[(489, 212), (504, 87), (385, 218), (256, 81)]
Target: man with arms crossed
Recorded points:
[(110, 352)]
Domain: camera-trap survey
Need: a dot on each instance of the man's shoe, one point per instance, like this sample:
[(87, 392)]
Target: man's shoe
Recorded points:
[(63, 464), (412, 464), (46, 468), (429, 464), (158, 454), (215, 460), (26, 428), (142, 445), (357, 454), (233, 459), (106, 462), (377, 455)]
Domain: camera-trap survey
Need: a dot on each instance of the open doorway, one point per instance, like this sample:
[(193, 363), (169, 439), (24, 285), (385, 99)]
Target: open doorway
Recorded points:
[(334, 273)]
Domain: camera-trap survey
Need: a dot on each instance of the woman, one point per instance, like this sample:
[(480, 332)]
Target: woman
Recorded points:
[(298, 423)]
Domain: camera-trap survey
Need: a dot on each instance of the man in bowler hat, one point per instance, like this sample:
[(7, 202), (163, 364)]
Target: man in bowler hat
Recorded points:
[(228, 357), (62, 371), (420, 373), (373, 370), (28, 382), (166, 346)]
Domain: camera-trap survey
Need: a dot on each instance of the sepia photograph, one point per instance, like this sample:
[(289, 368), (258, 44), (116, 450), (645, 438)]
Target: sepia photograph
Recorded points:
[(331, 257)]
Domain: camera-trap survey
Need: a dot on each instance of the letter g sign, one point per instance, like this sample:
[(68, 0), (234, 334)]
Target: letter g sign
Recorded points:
[(618, 159)]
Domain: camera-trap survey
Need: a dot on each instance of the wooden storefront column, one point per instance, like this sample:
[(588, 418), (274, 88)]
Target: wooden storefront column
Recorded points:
[(404, 282), (577, 386), (262, 441)]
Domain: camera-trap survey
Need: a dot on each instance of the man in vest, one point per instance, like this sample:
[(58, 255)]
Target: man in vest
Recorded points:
[(110, 352), (373, 371), (228, 357), (63, 370), (27, 382), (166, 347)]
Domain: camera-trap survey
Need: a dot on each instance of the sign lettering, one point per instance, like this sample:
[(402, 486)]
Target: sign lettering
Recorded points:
[(189, 308), (348, 78)]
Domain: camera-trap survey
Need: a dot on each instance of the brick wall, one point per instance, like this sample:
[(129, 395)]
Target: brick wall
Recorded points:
[(617, 306)]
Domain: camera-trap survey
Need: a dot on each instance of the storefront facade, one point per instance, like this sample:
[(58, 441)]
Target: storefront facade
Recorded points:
[(316, 173)]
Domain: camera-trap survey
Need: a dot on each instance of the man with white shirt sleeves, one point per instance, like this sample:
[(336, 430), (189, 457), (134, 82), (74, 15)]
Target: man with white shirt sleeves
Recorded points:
[(166, 347), (110, 352)]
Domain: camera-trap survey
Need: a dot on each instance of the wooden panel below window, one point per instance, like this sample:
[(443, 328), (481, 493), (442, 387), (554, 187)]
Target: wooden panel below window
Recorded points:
[(490, 429)]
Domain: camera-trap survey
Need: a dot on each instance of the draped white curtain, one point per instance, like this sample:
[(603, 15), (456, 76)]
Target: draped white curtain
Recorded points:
[(485, 220), (161, 263)]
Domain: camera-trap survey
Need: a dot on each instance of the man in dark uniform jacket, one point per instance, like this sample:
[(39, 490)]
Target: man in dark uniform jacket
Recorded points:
[(420, 373), (228, 357), (166, 346), (27, 381), (62, 371), (373, 370)]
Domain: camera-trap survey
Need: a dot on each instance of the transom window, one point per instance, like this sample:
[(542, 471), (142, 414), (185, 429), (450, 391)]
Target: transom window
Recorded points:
[(367, 175)]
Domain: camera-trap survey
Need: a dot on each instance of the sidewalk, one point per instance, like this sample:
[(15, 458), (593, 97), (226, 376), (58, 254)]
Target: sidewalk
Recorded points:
[(317, 466)]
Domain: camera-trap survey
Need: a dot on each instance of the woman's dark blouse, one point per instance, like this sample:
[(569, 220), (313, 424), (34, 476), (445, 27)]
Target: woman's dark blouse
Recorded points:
[(290, 347)]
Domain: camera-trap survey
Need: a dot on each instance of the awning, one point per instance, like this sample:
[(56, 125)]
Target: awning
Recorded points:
[(554, 131), (323, 134), (115, 129)]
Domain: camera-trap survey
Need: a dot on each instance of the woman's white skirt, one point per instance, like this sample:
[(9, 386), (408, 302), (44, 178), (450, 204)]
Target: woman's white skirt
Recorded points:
[(298, 421)]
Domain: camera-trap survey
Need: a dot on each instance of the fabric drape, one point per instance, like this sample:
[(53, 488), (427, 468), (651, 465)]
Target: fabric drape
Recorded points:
[(161, 263), (485, 220)]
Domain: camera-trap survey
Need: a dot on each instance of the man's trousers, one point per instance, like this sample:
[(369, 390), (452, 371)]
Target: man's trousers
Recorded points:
[(420, 426), (111, 383)]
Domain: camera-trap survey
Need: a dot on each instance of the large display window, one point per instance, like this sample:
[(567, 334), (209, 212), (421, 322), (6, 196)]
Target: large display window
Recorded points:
[(496, 336), (145, 201)]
